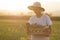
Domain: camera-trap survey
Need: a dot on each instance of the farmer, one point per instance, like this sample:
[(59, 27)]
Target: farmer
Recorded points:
[(39, 19)]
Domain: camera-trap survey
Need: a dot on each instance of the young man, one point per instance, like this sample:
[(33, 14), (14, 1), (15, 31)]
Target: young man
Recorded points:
[(39, 19)]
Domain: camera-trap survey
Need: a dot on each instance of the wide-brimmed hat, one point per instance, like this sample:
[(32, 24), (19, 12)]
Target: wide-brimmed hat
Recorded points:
[(35, 6)]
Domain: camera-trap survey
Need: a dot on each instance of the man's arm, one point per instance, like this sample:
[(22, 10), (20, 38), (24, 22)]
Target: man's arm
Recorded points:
[(50, 27), (27, 27)]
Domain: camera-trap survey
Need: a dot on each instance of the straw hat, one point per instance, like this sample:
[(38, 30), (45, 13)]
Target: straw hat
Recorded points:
[(35, 6)]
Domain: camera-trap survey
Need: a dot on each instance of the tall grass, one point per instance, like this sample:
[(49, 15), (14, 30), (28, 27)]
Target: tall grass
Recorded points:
[(15, 30)]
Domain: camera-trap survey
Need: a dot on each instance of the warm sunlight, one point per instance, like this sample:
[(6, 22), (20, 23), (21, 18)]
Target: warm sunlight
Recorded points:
[(21, 5)]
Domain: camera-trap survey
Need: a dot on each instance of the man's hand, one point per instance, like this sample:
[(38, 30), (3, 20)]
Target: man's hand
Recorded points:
[(48, 30)]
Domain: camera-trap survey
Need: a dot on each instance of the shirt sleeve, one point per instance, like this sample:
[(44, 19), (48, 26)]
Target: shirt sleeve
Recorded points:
[(49, 22), (31, 20)]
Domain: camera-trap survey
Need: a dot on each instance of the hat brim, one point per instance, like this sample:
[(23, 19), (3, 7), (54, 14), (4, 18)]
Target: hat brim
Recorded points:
[(35, 8)]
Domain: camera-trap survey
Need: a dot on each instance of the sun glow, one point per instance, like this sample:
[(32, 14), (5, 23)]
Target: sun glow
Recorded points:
[(21, 5)]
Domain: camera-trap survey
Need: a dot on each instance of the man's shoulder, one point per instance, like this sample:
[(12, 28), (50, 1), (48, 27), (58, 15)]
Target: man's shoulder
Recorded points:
[(45, 15)]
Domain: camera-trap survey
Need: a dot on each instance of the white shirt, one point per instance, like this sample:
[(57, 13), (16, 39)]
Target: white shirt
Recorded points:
[(44, 20)]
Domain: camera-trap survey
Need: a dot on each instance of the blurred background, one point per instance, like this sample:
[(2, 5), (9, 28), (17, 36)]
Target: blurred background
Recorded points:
[(14, 14)]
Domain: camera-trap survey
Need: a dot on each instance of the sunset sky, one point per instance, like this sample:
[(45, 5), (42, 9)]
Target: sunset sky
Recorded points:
[(21, 5)]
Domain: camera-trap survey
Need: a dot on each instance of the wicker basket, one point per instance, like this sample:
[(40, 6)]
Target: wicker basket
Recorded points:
[(38, 30)]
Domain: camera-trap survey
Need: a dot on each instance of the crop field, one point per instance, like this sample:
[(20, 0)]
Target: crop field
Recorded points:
[(16, 30)]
